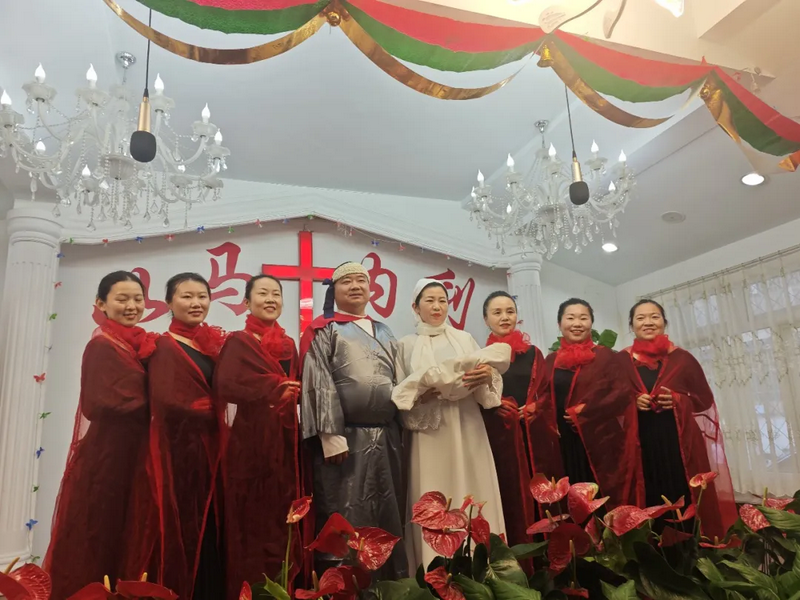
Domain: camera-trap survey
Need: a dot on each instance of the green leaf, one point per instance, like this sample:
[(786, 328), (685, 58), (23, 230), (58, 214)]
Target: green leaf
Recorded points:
[(633, 537), (404, 589), (503, 564), (754, 576), (473, 590), (612, 558), (627, 591), (275, 590), (44, 415), (504, 590), (595, 336), (657, 571), (781, 519), (556, 345), (607, 338), (523, 551), (480, 562), (707, 567)]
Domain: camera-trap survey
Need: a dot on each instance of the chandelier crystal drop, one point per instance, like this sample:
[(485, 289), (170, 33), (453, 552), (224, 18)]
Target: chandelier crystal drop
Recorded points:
[(533, 211), (85, 157)]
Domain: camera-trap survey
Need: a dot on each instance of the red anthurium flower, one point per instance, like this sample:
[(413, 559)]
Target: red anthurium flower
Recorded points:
[(478, 525), (721, 544), (444, 542), (753, 518), (373, 546), (671, 536), (779, 503), (548, 491), (442, 582), (94, 591), (625, 518), (246, 593), (566, 539), (657, 511), (593, 531), (702, 479), (580, 592), (299, 509), (29, 582), (690, 513), (546, 525), (341, 583), (581, 502), (432, 511), (334, 536), (144, 589)]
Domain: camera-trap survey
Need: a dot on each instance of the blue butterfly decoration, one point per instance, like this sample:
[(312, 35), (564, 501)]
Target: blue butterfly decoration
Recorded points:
[(201, 229), (139, 239), (31, 524), (60, 255), (39, 452)]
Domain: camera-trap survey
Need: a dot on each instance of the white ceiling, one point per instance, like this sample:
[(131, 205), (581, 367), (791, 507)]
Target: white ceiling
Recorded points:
[(322, 115)]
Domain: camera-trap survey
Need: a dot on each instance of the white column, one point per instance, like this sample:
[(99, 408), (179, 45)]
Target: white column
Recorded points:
[(27, 302), (525, 283)]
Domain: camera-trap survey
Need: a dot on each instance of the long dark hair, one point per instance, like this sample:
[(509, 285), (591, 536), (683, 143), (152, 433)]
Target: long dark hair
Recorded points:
[(492, 296), (646, 301), (428, 286), (572, 302), (248, 289), (107, 282), (176, 280)]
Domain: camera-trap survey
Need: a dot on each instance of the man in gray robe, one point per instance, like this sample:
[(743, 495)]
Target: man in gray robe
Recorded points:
[(349, 419)]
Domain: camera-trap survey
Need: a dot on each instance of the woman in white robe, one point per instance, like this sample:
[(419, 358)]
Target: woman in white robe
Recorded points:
[(443, 380)]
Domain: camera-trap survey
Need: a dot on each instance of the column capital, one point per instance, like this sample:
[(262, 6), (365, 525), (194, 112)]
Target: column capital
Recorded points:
[(33, 222), (529, 261)]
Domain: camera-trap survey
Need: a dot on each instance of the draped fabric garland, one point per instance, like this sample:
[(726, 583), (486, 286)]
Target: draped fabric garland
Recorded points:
[(385, 33)]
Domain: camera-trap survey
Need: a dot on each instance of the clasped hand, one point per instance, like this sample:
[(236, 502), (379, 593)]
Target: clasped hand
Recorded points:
[(480, 375), (664, 400)]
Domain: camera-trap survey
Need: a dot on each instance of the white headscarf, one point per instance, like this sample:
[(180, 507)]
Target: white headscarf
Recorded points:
[(422, 355)]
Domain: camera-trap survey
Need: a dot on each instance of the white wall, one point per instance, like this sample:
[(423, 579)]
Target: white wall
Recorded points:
[(751, 248)]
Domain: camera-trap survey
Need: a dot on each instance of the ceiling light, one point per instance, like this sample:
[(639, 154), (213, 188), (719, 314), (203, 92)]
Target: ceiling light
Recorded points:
[(753, 179), (610, 247), (673, 217)]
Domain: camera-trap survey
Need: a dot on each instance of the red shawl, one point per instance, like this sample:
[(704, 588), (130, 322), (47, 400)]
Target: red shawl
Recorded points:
[(95, 507), (606, 420), (514, 472), (260, 460), (699, 432), (184, 449)]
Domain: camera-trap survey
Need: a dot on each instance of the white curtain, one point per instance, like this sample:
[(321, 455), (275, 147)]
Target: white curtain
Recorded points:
[(743, 325)]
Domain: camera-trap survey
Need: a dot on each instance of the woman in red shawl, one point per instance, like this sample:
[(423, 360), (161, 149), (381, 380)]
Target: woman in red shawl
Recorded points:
[(184, 444), (583, 425), (505, 425), (257, 388), (679, 430), (109, 445)]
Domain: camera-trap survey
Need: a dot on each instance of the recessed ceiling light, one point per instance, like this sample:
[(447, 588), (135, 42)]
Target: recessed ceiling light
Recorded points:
[(610, 247), (753, 179), (673, 217)]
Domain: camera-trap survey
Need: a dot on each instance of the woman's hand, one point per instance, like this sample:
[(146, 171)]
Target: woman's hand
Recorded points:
[(507, 409), (290, 389), (429, 395), (665, 399), (528, 412), (643, 402), (480, 375)]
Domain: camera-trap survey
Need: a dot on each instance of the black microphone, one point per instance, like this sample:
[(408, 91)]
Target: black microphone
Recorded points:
[(143, 143), (578, 189)]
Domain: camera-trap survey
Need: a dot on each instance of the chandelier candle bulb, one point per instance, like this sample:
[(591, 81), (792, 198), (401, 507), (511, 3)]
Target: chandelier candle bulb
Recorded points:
[(622, 158), (40, 147), (158, 85), (510, 163), (206, 114), (86, 172), (481, 178), (91, 76), (612, 187), (39, 74), (552, 151), (595, 148), (218, 137), (5, 100)]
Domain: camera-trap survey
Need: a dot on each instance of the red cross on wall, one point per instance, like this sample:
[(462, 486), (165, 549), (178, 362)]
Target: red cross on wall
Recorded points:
[(306, 273)]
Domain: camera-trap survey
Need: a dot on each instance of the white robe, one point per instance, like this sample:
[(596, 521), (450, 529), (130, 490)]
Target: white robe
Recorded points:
[(456, 458)]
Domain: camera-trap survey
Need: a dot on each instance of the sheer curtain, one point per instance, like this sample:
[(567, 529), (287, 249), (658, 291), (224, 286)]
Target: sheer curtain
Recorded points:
[(743, 325)]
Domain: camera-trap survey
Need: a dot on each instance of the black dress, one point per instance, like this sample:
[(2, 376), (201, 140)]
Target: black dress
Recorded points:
[(573, 454), (662, 462), (210, 577), (517, 379)]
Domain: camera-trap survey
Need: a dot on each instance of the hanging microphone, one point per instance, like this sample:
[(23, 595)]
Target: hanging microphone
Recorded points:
[(578, 189), (143, 143)]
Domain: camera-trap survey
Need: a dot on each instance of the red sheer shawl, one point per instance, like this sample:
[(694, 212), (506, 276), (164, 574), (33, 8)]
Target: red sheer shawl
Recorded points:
[(702, 447), (184, 449), (260, 460), (514, 470), (107, 454), (600, 407)]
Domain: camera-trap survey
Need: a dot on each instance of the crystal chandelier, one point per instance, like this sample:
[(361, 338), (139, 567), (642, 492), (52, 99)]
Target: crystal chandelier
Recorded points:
[(535, 213), (85, 158)]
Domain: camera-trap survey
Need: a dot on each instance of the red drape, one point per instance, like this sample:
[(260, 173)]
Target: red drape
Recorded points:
[(702, 447), (107, 454), (514, 471), (184, 449), (260, 461), (599, 404)]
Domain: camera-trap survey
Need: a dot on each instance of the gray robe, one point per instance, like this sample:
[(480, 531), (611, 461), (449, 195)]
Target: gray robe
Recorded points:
[(348, 378)]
